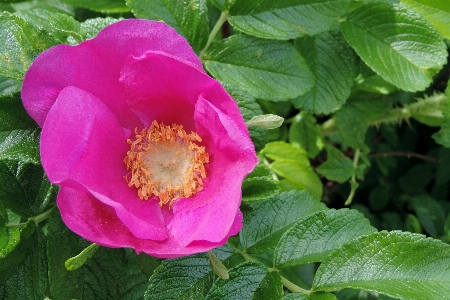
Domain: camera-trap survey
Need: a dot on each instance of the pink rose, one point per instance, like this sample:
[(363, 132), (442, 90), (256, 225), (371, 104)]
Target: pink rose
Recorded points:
[(149, 151)]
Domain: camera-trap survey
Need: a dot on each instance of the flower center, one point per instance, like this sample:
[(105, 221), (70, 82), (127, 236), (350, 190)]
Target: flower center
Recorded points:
[(166, 162)]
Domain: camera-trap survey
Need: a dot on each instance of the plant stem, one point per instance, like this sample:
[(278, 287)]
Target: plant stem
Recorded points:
[(222, 19), (353, 182), (405, 153), (293, 287), (37, 219)]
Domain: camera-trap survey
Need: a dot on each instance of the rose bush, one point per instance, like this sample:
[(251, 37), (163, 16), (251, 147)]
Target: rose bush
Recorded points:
[(137, 92)]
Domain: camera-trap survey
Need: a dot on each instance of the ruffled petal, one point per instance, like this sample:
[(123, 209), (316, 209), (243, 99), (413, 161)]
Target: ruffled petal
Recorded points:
[(83, 142), (99, 223), (209, 214), (95, 65), (163, 88)]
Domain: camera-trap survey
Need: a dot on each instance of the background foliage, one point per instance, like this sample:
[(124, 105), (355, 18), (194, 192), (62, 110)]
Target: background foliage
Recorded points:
[(351, 196)]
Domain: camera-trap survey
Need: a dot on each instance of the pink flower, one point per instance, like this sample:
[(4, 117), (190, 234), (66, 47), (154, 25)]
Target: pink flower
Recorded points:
[(96, 103)]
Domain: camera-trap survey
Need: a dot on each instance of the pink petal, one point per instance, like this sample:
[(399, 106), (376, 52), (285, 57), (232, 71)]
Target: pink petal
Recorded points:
[(95, 65), (83, 142), (209, 214), (99, 223), (163, 88)]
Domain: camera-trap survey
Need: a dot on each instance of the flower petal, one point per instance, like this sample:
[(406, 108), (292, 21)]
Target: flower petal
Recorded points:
[(209, 214), (99, 223), (95, 65), (83, 142), (163, 88)]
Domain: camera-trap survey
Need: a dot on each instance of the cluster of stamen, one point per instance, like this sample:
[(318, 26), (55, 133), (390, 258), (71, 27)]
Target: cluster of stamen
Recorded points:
[(166, 162)]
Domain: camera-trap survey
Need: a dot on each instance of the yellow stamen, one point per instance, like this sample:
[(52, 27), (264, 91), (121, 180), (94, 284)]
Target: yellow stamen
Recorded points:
[(166, 162)]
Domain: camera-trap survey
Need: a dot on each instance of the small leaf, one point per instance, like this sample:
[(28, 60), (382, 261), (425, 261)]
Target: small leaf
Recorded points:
[(338, 167), (270, 218), (76, 262), (313, 238), (443, 135), (430, 213), (67, 24), (248, 281), (332, 62), (106, 6), (306, 134), (288, 19), (20, 145), (217, 266), (437, 12), (259, 185), (265, 69), (20, 43), (188, 277), (188, 17), (402, 265), (265, 121), (9, 86), (397, 43), (92, 27), (279, 151)]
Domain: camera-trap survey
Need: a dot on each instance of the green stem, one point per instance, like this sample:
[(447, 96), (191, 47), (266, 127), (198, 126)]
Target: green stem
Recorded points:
[(37, 219), (293, 287), (353, 182), (222, 19)]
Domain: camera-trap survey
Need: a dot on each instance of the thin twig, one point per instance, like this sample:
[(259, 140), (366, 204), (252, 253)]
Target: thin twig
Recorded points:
[(408, 154)]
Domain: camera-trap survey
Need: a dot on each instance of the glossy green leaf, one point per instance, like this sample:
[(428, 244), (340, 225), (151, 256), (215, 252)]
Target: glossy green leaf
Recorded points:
[(338, 167), (20, 145), (291, 19), (29, 281), (15, 243), (397, 43), (67, 24), (437, 12), (306, 134), (20, 43), (259, 185), (92, 27), (223, 5), (430, 213), (265, 69), (270, 219), (313, 238), (188, 17), (402, 265), (106, 6), (332, 63), (279, 151), (188, 277), (28, 190), (248, 281), (313, 296), (9, 86)]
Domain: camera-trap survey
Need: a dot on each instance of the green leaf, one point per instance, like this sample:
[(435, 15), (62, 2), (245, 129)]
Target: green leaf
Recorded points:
[(217, 266), (101, 277), (20, 145), (332, 62), (397, 43), (249, 108), (313, 296), (338, 167), (443, 135), (188, 17), (188, 277), (223, 5), (67, 24), (248, 281), (106, 6), (29, 281), (288, 19), (300, 176), (20, 43), (12, 114), (14, 245), (306, 134), (259, 185), (437, 12), (399, 264), (270, 219), (92, 27), (76, 262), (430, 214), (313, 238), (265, 69), (268, 121), (279, 151), (9, 86), (28, 190)]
